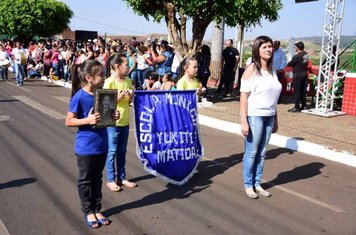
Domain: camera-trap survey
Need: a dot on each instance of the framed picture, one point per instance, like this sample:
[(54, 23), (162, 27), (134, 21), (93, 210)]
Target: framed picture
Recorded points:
[(105, 104)]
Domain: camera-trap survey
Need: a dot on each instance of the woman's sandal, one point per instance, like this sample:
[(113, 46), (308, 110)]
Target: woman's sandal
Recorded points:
[(128, 184), (90, 224), (113, 186), (103, 220), (263, 192), (251, 194)]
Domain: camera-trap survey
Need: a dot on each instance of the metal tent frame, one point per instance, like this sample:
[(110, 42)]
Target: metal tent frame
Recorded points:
[(327, 78)]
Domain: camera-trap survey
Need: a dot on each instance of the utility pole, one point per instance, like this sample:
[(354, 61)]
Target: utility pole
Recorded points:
[(216, 49), (239, 47)]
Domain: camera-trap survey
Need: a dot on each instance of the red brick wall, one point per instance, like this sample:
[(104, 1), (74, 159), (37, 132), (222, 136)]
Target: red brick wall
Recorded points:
[(349, 100), (67, 34)]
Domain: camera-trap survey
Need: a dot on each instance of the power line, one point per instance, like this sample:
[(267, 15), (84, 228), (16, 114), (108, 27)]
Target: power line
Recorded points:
[(107, 25)]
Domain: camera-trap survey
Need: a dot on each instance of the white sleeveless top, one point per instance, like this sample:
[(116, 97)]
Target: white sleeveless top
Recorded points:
[(264, 92)]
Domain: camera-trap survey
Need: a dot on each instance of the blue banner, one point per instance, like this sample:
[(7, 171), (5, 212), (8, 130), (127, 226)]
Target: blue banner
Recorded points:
[(167, 133)]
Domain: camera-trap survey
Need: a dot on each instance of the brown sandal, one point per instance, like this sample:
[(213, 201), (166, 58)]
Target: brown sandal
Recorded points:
[(113, 186)]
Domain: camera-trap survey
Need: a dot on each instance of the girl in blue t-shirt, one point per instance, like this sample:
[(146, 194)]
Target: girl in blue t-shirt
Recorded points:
[(91, 145)]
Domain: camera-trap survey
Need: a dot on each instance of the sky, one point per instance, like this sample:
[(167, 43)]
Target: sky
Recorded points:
[(114, 17)]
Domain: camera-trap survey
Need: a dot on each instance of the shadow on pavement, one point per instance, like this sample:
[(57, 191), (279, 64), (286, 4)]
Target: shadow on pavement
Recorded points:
[(274, 153), (40, 85), (285, 99), (17, 183), (54, 86), (199, 182), (141, 178), (1, 101), (299, 173), (220, 98)]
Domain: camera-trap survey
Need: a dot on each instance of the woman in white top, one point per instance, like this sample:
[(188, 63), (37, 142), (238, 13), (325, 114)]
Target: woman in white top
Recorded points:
[(143, 61), (4, 63), (260, 90)]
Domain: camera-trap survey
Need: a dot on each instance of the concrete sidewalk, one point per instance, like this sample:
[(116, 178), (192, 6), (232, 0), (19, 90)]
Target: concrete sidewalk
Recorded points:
[(332, 138)]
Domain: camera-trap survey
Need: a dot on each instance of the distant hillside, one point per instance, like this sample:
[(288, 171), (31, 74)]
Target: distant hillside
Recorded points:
[(344, 41)]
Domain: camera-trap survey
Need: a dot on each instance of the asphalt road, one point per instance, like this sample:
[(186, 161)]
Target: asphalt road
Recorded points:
[(38, 193)]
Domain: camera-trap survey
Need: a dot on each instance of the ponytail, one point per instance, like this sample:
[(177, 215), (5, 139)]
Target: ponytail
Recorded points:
[(76, 79), (183, 65), (88, 67)]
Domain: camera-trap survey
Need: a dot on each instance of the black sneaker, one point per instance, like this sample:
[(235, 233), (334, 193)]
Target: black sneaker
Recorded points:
[(294, 110)]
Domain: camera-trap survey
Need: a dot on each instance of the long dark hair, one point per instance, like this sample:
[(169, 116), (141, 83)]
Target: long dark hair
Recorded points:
[(256, 53), (165, 46), (205, 50), (90, 67)]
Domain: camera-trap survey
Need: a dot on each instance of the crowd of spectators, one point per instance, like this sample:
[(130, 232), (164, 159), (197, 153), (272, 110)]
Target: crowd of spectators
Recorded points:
[(154, 64)]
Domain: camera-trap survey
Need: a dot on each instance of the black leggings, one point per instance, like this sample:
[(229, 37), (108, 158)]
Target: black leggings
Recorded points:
[(90, 181)]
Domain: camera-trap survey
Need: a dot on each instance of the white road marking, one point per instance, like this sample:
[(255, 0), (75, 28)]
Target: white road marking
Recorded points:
[(4, 118), (65, 99), (3, 230), (34, 104), (302, 196), (312, 200), (21, 87)]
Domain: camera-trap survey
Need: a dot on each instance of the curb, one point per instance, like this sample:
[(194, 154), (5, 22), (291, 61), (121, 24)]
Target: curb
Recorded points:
[(285, 142), (59, 83)]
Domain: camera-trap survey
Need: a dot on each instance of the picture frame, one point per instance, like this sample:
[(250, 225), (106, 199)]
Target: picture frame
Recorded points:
[(105, 103)]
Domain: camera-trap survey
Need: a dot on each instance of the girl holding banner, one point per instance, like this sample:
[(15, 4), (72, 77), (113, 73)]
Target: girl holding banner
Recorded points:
[(118, 135), (90, 144), (260, 91)]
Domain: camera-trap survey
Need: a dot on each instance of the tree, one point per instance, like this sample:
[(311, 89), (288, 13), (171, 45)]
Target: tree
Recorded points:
[(245, 13), (27, 18)]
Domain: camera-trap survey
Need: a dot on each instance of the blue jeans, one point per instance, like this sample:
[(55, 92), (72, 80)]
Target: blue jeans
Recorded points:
[(260, 130), (3, 73), (118, 137), (56, 70), (20, 73), (66, 71), (141, 78), (134, 75)]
